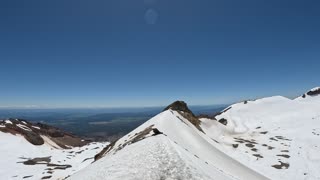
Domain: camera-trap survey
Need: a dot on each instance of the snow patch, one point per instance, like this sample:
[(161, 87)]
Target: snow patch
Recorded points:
[(36, 127), (24, 127), (315, 89), (8, 122)]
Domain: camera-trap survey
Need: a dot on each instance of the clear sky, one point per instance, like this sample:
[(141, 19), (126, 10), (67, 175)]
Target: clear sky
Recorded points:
[(113, 53)]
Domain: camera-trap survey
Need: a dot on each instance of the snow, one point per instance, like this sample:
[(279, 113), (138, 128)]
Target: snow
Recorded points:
[(161, 160), (24, 127), (270, 138), (36, 127), (15, 148), (306, 96), (315, 89), (182, 153), (8, 122), (297, 121)]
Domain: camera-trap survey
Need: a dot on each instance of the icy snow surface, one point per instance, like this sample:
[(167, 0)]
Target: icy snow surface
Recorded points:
[(270, 138)]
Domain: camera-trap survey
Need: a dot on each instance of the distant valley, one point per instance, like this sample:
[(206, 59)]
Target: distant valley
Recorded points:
[(97, 124)]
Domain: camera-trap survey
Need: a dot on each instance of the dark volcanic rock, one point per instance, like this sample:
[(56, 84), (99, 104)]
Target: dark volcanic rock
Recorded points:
[(156, 132), (104, 151), (282, 165), (206, 116), (46, 177), (182, 108), (51, 131), (40, 160), (223, 121), (33, 132), (179, 106), (34, 138), (314, 92)]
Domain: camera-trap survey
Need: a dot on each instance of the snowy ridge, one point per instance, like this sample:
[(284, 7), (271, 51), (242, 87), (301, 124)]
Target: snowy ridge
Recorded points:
[(310, 94), (181, 152), (275, 136), (269, 138)]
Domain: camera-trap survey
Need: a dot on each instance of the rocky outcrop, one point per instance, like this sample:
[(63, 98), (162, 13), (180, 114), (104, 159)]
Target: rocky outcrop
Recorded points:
[(182, 108), (147, 132), (223, 121), (179, 106), (314, 92), (34, 133), (34, 138)]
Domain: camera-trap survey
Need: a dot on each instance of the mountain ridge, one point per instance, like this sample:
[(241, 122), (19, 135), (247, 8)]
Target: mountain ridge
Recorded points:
[(260, 139), (34, 132), (268, 138)]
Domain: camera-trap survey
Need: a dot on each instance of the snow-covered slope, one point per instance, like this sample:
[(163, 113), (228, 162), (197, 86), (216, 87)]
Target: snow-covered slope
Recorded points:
[(20, 159), (269, 138), (275, 136), (167, 146)]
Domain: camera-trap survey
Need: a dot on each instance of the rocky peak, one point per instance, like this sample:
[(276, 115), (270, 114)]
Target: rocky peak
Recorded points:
[(182, 108), (179, 106), (314, 91)]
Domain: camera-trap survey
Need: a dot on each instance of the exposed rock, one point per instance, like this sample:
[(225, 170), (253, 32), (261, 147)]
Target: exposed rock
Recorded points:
[(136, 138), (284, 155), (156, 132), (34, 138), (104, 151), (205, 116), (314, 92), (40, 160), (179, 106), (25, 177), (223, 121), (225, 110), (46, 177), (32, 132), (182, 108), (250, 145), (235, 145), (282, 165), (257, 155)]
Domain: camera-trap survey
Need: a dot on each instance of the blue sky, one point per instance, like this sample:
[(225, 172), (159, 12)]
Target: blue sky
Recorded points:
[(117, 53)]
